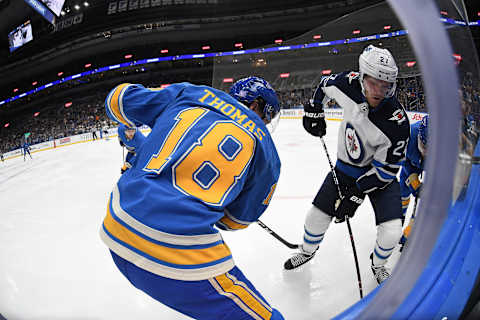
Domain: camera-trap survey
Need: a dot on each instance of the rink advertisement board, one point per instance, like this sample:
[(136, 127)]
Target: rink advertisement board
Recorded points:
[(63, 140), (330, 114), (42, 146), (297, 113), (336, 114)]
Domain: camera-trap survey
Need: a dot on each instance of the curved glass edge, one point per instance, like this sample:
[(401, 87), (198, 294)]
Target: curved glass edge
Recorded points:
[(452, 269), (453, 266), (433, 50)]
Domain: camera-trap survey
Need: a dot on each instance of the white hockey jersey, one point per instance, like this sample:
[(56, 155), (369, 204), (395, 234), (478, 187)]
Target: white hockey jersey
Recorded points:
[(371, 141)]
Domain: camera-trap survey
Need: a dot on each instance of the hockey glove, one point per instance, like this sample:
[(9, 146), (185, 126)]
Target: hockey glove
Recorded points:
[(314, 119), (414, 184), (346, 206)]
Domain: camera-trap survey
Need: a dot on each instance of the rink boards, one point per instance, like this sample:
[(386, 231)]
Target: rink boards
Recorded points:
[(333, 114)]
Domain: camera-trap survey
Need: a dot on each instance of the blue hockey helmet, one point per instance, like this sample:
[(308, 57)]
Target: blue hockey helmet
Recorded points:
[(246, 90), (423, 130)]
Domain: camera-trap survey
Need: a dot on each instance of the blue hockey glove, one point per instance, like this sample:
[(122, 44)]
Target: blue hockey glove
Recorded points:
[(414, 184), (346, 206), (314, 119)]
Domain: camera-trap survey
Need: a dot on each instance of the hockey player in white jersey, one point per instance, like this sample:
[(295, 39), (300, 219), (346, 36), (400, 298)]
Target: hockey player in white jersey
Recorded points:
[(372, 141)]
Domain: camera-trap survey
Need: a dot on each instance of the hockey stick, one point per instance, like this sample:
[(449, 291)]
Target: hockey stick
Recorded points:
[(414, 213), (415, 207), (346, 218), (273, 233)]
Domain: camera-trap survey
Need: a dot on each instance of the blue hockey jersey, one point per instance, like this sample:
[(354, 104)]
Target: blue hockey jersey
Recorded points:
[(209, 161), (414, 160), (130, 144)]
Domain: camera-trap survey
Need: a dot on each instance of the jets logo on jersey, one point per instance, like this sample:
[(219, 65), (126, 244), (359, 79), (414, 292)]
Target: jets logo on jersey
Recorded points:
[(353, 145), (398, 116), (352, 76)]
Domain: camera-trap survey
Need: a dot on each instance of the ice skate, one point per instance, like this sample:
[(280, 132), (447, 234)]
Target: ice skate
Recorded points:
[(298, 259), (379, 272)]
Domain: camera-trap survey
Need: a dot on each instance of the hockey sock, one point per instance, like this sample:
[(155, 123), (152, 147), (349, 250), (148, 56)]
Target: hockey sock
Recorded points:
[(388, 235), (316, 224)]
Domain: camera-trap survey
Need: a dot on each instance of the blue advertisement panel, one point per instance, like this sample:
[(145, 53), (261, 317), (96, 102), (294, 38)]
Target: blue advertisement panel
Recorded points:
[(40, 8)]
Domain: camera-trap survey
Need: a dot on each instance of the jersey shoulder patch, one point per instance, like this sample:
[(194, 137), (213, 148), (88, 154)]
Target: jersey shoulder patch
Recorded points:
[(353, 76), (348, 83)]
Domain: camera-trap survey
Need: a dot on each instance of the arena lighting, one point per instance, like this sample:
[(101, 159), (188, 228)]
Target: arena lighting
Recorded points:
[(410, 63), (284, 75), (6, 125), (227, 80), (326, 72), (60, 74), (278, 41), (164, 51), (206, 48), (387, 27), (88, 65), (68, 104), (128, 56), (206, 55), (317, 36), (63, 13), (77, 7), (34, 83), (356, 31), (86, 4), (238, 45), (458, 58), (36, 114)]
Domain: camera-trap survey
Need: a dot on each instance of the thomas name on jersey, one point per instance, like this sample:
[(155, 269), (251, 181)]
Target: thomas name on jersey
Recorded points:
[(233, 112)]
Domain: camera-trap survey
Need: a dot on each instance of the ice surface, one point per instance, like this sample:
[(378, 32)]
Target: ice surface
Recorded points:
[(54, 265)]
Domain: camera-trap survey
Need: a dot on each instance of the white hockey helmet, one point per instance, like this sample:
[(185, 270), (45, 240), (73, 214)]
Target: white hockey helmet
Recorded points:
[(379, 64)]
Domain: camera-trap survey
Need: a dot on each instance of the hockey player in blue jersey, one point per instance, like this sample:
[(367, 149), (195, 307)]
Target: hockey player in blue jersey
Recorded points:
[(412, 168), (208, 164), (131, 139), (372, 140), (26, 149)]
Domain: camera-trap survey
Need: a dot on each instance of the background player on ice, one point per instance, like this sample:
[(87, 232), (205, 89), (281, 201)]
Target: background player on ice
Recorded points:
[(131, 139), (412, 168), (208, 163), (26, 149), (372, 140)]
